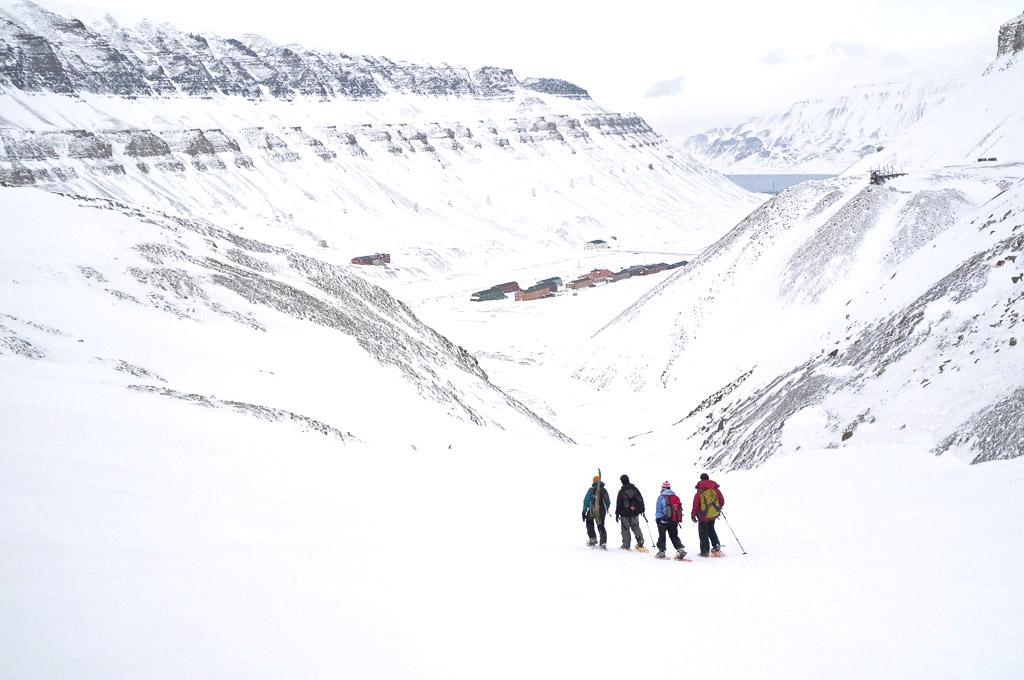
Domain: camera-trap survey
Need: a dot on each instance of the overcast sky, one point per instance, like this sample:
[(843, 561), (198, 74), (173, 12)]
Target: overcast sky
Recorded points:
[(683, 65)]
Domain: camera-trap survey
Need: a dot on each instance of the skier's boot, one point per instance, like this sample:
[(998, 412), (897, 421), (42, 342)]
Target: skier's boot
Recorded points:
[(705, 555), (716, 552), (625, 547), (603, 546), (660, 554), (680, 554), (640, 548), (592, 542)]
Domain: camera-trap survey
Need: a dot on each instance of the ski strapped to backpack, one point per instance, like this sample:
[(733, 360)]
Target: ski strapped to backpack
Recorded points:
[(595, 501)]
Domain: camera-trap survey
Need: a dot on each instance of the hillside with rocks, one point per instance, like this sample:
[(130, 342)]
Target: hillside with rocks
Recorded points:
[(439, 165)]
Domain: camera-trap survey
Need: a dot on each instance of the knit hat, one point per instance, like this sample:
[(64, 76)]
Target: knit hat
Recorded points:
[(624, 479), (596, 478), (704, 475), (666, 485)]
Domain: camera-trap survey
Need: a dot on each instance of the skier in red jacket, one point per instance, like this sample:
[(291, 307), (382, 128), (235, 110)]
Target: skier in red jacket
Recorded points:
[(707, 506)]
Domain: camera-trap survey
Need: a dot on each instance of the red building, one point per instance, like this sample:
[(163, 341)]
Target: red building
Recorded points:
[(533, 294)]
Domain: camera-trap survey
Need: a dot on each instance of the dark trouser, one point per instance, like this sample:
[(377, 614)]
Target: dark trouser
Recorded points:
[(627, 524), (708, 536), (673, 533), (600, 528)]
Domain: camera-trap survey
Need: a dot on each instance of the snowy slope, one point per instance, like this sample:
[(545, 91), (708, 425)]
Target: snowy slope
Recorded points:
[(821, 136), (102, 298), (226, 454), (985, 119), (164, 541), (440, 166), (838, 309)]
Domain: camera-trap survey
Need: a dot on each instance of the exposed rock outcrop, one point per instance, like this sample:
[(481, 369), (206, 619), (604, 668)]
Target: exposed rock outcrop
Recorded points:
[(1011, 37), (41, 51)]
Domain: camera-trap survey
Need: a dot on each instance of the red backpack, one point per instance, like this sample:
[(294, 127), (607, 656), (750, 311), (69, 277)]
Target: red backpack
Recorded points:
[(674, 511)]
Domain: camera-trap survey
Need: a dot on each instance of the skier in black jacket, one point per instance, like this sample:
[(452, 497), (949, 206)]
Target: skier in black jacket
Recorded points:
[(629, 505)]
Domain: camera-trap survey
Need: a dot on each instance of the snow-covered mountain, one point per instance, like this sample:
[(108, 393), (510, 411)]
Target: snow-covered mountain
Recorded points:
[(440, 166), (225, 453), (845, 309), (231, 182), (824, 135), (896, 124), (981, 123), (841, 309), (100, 297)]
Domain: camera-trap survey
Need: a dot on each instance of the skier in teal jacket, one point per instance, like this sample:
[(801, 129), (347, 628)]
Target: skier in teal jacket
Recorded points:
[(595, 512)]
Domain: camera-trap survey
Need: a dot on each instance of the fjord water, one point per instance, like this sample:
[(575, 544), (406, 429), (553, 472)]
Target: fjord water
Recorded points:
[(771, 184)]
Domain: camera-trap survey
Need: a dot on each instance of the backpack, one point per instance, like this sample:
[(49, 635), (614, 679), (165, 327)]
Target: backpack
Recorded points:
[(709, 508), (673, 509), (597, 506), (631, 496)]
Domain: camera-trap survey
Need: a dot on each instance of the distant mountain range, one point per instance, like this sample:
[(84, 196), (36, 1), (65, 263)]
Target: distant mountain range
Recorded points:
[(820, 136)]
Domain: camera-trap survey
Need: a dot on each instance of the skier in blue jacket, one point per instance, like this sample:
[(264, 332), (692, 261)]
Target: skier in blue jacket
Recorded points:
[(668, 521)]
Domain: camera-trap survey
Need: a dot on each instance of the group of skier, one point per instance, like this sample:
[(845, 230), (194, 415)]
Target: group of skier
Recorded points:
[(668, 515)]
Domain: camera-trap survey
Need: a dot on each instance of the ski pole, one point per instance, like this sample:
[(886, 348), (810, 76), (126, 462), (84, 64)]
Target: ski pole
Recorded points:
[(649, 529), (733, 532)]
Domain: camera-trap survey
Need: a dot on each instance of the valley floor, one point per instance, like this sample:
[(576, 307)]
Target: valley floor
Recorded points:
[(204, 544)]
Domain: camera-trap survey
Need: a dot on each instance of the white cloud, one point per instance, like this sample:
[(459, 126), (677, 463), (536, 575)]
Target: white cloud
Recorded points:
[(666, 88)]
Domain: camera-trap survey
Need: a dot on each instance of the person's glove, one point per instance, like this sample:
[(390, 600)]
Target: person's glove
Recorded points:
[(694, 518), (584, 515), (616, 518)]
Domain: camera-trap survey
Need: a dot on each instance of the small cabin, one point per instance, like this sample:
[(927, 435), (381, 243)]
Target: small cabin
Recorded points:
[(596, 244), (582, 282), (598, 275), (620, 275), (487, 295), (677, 265), (508, 287), (554, 283), (534, 293), (376, 258)]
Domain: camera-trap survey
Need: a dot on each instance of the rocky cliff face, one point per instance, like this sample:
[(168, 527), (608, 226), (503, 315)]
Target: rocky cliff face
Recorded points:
[(1011, 37), (41, 51), (434, 163), (29, 157)]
